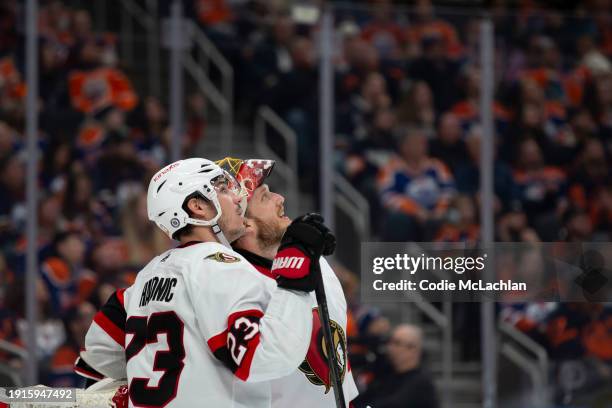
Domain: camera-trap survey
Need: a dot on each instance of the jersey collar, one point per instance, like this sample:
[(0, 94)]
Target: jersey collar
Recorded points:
[(187, 244), (263, 265)]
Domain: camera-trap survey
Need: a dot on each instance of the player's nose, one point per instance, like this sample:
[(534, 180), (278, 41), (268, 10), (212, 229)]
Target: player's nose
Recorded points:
[(236, 198), (280, 200)]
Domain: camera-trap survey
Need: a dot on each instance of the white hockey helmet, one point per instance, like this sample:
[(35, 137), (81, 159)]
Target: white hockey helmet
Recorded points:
[(171, 186)]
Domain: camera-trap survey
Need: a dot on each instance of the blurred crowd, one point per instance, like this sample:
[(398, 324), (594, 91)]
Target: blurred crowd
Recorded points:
[(407, 107), (99, 142), (408, 132), (408, 136)]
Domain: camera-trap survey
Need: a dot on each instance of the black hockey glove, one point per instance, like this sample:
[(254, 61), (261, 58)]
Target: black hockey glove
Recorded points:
[(297, 260)]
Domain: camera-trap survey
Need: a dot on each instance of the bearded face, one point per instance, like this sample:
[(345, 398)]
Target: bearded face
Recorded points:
[(269, 233), (267, 211)]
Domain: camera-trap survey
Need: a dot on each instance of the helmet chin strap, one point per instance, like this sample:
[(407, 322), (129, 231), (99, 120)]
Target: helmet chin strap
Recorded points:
[(220, 236), (214, 226)]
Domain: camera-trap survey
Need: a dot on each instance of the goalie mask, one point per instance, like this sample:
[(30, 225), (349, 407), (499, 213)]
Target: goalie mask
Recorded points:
[(250, 173), (171, 187)]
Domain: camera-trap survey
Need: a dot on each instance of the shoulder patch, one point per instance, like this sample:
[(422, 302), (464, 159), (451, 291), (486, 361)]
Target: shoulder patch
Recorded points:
[(223, 257)]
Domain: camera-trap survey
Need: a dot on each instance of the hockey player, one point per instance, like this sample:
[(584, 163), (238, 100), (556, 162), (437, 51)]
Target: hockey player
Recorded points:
[(266, 222), (200, 326)]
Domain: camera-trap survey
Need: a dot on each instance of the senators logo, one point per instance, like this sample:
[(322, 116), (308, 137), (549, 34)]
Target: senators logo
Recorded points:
[(316, 364), (223, 257)]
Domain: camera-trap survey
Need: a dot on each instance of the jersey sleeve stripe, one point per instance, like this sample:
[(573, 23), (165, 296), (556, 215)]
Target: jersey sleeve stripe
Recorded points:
[(245, 367), (217, 341), (243, 313), (220, 340), (85, 370), (245, 335), (120, 297), (116, 333), (114, 311)]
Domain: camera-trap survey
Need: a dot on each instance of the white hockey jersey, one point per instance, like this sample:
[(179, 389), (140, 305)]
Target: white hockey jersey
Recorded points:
[(310, 385), (199, 327)]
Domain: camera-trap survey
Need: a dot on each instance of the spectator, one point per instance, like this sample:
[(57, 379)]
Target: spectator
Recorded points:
[(583, 127), (530, 318), (348, 33), (416, 108), (49, 218), (407, 384), (601, 15), (56, 165), (118, 164), (541, 189), (53, 82), (295, 98), (601, 214), (366, 342), (468, 175), (297, 87), (383, 33), (8, 139), (272, 57), (366, 157), (577, 226), (426, 26), (603, 96), (215, 14), (377, 135), (513, 227), (448, 145), (439, 71), (355, 116), (12, 88), (8, 26), (12, 190), (149, 121), (76, 323), (55, 22), (196, 117), (462, 223), (142, 239), (90, 50), (109, 258), (468, 109), (50, 332), (415, 189), (540, 119), (576, 330), (95, 90), (361, 60), (591, 173), (83, 210), (66, 280), (8, 311)]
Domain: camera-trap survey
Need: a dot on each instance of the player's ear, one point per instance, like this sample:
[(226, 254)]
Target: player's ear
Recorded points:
[(200, 208)]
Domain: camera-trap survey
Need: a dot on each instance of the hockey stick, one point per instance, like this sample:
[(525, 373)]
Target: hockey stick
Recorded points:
[(329, 344)]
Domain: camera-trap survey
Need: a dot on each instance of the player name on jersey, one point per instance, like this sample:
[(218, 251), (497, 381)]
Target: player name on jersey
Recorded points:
[(157, 289)]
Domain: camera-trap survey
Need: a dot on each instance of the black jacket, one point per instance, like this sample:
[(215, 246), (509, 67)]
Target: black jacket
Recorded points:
[(412, 389)]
